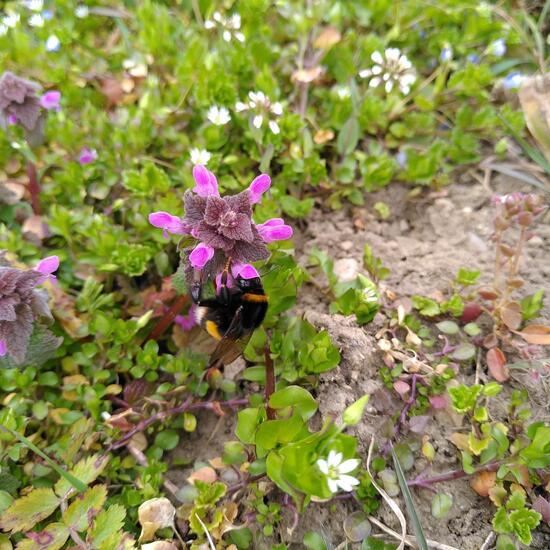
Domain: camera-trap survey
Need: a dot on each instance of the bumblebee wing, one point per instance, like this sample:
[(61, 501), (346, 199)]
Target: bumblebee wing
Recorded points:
[(232, 344)]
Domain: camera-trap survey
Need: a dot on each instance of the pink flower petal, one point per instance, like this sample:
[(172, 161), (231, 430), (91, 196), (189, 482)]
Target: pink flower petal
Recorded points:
[(206, 183), (229, 283), (438, 401), (274, 230), (87, 155), (187, 322), (170, 224), (50, 100), (48, 265), (245, 271), (3, 348), (258, 187), (401, 387), (200, 255)]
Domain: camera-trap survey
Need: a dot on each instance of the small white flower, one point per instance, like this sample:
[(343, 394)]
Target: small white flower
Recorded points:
[(53, 44), (218, 115), (392, 69), (343, 92), (262, 109), (34, 5), (105, 415), (498, 47), (36, 20), (229, 27), (446, 54), (11, 19), (200, 156), (336, 472), (82, 11)]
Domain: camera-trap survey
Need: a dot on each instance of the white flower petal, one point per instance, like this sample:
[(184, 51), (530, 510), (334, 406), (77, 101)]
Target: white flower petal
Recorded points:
[(334, 458), (274, 127), (347, 482), (277, 109), (240, 106), (377, 69), (405, 89), (323, 465), (348, 465), (375, 82), (209, 24), (261, 97), (239, 36), (258, 120), (365, 73), (253, 96), (217, 16), (377, 57), (389, 86), (332, 485), (235, 21), (226, 36), (392, 54)]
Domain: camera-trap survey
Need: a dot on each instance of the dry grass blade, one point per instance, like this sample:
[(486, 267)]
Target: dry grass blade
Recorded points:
[(419, 532), (210, 541), (391, 502)]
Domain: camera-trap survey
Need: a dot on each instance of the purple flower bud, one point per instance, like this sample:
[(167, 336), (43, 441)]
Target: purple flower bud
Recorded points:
[(47, 267), (258, 187), (50, 100), (274, 230), (12, 119), (187, 322), (168, 223), (206, 183), (3, 348), (200, 255), (87, 155)]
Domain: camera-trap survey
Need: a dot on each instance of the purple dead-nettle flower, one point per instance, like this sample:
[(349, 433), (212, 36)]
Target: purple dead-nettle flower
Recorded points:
[(262, 109), (229, 26), (188, 321), (87, 155), (51, 100), (223, 226), (19, 99), (21, 304)]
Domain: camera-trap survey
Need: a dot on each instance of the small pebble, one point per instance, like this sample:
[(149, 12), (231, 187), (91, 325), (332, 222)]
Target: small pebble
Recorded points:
[(346, 269)]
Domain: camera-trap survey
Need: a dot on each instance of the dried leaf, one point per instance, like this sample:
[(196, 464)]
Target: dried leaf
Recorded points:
[(64, 307), (496, 361), (327, 38), (511, 315), (483, 482), (542, 506), (322, 136), (52, 537), (205, 474), (460, 441), (159, 545), (401, 387), (305, 76), (536, 334), (154, 514), (35, 229), (78, 514)]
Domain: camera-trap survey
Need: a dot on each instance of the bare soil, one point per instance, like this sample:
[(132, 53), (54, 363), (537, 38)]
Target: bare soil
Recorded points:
[(424, 242)]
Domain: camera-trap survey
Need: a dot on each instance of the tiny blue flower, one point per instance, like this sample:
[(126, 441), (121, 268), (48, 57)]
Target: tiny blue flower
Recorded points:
[(498, 47), (446, 54), (401, 158), (473, 58), (47, 15), (512, 81)]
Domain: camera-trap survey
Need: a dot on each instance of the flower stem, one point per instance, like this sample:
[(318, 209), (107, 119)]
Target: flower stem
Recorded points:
[(34, 188), (167, 319), (269, 381)]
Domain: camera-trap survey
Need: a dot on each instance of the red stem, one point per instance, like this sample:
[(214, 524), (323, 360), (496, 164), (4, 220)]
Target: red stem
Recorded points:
[(425, 482), (34, 188), (168, 317)]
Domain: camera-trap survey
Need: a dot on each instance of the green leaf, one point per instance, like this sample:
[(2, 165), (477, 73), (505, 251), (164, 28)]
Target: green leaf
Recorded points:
[(352, 415), (167, 439), (464, 397), (504, 542), (25, 512), (537, 453), (441, 504), (56, 534), (472, 329), (464, 352), (297, 397), (426, 306), (348, 137), (248, 421), (448, 327), (87, 470), (467, 277), (523, 521), (106, 524), (409, 502), (531, 305), (501, 522), (376, 544), (314, 541), (79, 512)]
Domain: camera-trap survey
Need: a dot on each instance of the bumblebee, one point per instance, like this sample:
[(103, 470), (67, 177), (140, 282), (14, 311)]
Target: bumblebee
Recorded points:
[(232, 316)]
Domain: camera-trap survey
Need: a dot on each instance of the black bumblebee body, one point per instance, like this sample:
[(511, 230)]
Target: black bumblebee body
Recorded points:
[(232, 316)]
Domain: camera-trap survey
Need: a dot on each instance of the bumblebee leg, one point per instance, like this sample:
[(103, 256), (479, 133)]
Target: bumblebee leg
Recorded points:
[(223, 291), (196, 288)]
